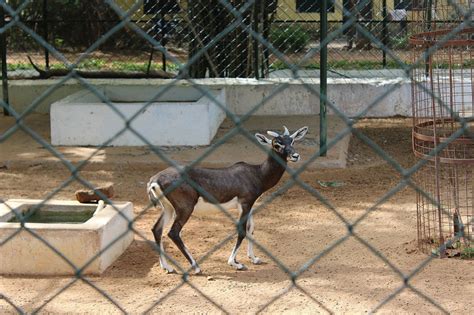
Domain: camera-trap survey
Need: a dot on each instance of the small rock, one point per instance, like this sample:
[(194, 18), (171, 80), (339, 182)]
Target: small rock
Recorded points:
[(87, 196), (210, 278)]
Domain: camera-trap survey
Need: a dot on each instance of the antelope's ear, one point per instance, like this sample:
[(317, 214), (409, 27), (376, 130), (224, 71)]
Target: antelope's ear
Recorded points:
[(262, 139), (299, 134)]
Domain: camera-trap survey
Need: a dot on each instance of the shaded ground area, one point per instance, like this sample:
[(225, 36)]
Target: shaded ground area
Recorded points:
[(227, 147), (346, 277)]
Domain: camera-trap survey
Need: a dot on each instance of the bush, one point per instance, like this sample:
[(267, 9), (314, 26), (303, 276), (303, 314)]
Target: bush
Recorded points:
[(399, 42), (290, 38)]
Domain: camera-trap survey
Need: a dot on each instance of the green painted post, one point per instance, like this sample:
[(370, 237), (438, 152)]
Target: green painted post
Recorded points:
[(3, 49), (384, 32), (45, 33), (323, 78)]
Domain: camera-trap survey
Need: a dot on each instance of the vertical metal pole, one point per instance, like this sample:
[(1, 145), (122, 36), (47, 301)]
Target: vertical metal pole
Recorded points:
[(442, 247), (45, 33), (323, 78), (163, 61), (384, 32), (265, 30), (3, 49), (428, 4), (255, 42)]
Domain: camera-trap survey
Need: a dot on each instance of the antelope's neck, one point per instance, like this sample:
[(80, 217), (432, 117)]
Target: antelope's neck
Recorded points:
[(272, 171)]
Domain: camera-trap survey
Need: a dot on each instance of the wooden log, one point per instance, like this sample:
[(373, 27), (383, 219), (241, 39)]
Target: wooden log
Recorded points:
[(46, 74)]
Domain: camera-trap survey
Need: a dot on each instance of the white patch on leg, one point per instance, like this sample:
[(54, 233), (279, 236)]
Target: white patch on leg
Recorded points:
[(168, 213), (232, 261), (232, 258), (163, 262), (250, 228)]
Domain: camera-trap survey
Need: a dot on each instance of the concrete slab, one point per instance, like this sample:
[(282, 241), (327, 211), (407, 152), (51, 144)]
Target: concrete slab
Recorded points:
[(20, 150), (93, 245), (181, 116)]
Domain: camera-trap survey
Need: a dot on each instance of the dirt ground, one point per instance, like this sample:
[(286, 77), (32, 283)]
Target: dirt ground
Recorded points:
[(295, 227)]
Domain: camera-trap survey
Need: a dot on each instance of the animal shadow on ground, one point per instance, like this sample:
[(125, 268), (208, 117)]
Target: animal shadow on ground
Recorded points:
[(135, 262)]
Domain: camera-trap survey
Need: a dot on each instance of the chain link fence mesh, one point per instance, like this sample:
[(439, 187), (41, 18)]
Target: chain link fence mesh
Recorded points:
[(224, 38), (361, 32)]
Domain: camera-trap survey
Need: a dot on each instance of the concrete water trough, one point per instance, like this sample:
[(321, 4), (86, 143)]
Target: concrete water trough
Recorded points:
[(181, 115), (89, 236)]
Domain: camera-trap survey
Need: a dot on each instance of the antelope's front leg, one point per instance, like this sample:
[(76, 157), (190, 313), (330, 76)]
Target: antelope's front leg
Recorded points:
[(250, 228)]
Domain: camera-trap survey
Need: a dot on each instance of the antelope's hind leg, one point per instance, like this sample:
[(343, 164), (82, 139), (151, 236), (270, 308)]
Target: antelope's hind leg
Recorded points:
[(182, 216), (157, 230)]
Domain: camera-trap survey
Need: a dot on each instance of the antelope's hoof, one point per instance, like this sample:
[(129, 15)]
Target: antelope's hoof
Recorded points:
[(168, 270), (197, 271), (241, 267), (237, 265), (256, 261)]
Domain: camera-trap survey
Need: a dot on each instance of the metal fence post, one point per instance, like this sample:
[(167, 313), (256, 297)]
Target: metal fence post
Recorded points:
[(323, 77), (3, 48), (384, 32), (45, 33), (255, 41)]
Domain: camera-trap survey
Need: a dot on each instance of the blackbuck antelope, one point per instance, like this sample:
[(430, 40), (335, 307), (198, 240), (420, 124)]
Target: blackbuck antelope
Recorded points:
[(237, 186)]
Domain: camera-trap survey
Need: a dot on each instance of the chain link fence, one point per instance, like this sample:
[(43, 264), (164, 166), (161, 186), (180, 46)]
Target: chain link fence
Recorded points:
[(361, 33), (224, 38)]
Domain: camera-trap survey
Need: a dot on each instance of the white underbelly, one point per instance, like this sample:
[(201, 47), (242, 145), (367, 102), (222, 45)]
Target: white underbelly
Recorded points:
[(206, 206)]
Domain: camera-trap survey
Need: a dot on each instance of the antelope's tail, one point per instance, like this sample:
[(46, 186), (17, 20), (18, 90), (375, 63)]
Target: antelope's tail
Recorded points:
[(154, 193)]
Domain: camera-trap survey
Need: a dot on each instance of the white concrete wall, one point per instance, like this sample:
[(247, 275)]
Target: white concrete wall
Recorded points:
[(216, 112), (110, 243), (301, 97), (184, 117), (298, 97)]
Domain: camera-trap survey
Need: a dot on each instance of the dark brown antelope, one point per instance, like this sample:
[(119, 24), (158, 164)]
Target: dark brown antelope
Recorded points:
[(237, 186)]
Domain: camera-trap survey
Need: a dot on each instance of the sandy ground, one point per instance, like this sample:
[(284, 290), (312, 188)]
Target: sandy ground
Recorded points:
[(295, 227)]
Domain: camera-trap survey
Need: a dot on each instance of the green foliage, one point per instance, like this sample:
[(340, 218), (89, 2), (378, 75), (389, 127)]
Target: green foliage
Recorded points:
[(342, 65), (399, 42), (290, 38), (19, 66), (58, 42), (128, 66), (467, 253), (93, 64), (96, 64)]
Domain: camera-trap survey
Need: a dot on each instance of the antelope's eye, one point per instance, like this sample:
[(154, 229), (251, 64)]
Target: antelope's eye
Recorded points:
[(278, 146)]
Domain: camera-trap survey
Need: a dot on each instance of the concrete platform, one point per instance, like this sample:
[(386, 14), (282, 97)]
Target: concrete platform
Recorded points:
[(181, 116), (20, 150)]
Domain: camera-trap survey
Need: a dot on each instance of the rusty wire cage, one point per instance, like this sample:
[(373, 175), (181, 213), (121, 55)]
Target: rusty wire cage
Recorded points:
[(443, 130)]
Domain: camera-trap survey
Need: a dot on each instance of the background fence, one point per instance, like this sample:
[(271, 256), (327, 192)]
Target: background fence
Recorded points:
[(224, 38), (361, 32)]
